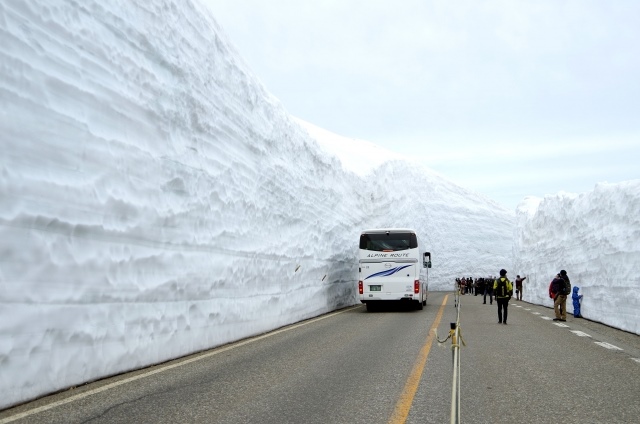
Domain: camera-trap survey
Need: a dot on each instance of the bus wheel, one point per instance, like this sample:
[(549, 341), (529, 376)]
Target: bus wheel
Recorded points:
[(419, 305)]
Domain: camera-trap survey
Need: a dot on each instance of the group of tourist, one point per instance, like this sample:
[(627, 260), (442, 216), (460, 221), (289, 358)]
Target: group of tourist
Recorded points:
[(502, 290), (500, 287), (484, 285)]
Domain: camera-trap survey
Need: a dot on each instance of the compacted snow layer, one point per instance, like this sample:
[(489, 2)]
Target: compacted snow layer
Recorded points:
[(595, 237), (157, 201)]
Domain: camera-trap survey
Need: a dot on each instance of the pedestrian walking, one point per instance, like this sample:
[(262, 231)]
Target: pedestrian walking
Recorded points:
[(488, 290), (503, 290)]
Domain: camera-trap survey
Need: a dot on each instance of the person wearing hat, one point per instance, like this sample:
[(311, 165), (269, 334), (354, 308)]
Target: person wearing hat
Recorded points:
[(503, 290), (559, 288)]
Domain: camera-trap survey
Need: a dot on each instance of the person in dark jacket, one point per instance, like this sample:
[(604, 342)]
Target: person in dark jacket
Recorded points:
[(560, 302), (488, 290), (519, 282), (503, 290)]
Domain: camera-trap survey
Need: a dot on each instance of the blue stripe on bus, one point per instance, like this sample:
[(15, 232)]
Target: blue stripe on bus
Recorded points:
[(387, 272)]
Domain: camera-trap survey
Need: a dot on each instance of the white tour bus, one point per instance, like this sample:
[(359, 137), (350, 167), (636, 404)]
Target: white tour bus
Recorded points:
[(393, 266)]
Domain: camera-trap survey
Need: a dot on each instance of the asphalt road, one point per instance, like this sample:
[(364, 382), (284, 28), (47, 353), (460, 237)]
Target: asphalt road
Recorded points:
[(354, 366)]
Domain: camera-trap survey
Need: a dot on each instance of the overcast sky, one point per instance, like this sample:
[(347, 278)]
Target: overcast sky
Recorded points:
[(509, 98)]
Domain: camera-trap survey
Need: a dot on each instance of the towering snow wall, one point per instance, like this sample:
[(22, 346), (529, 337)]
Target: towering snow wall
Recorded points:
[(155, 200), (595, 237), (466, 234)]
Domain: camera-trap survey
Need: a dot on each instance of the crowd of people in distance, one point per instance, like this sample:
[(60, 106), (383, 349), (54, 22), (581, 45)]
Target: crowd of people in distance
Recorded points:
[(501, 289), (475, 286), (484, 286)]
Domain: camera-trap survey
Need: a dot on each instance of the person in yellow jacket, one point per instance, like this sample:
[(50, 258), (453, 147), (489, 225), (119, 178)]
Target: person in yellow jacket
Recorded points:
[(502, 290)]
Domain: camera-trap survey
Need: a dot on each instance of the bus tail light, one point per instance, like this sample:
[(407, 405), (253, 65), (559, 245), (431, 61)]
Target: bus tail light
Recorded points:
[(360, 287), (416, 286)]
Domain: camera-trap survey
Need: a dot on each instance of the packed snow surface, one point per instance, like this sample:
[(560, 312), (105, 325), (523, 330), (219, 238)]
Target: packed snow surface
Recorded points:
[(156, 200), (593, 236)]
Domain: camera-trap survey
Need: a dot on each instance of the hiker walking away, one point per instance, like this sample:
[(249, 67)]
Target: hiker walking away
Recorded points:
[(560, 287), (503, 289), (519, 286)]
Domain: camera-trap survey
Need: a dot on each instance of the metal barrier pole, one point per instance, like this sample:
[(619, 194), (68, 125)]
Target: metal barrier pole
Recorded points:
[(455, 407), (456, 338), (454, 354), (455, 383)]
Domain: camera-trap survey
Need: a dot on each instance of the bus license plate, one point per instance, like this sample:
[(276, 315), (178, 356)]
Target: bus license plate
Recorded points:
[(375, 288)]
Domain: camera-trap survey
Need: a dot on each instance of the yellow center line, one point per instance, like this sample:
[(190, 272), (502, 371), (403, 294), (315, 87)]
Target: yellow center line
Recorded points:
[(411, 387)]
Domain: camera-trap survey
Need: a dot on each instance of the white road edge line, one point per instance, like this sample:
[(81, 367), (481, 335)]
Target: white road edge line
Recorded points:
[(580, 333), (165, 368), (608, 346)]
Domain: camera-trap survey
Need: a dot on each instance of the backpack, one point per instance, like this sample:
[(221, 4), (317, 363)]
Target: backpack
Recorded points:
[(501, 288), (567, 287)]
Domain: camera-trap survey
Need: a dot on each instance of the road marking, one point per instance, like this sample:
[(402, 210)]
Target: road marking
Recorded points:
[(636, 359), (527, 309), (559, 324), (580, 333), (608, 345), (166, 368), (547, 318), (403, 405), (535, 313)]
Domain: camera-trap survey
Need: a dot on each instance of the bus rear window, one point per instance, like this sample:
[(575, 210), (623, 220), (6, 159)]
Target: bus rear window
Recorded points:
[(388, 242)]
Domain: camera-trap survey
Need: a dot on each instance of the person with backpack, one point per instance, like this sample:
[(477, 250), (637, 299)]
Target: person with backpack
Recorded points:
[(503, 290), (561, 288)]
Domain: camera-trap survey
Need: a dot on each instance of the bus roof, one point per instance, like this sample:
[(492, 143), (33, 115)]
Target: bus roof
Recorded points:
[(391, 230)]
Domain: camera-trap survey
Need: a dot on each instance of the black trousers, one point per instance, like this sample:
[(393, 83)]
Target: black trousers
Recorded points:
[(490, 293), (503, 303)]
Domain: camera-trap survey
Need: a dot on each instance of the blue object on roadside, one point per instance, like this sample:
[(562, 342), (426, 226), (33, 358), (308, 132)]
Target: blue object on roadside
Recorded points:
[(577, 298)]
